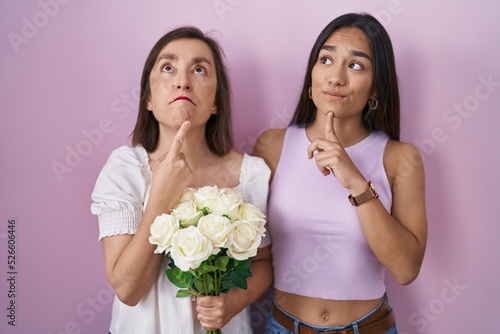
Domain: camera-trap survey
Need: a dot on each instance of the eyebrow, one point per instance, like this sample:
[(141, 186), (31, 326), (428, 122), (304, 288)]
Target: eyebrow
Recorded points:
[(172, 56), (167, 56), (197, 60), (353, 53)]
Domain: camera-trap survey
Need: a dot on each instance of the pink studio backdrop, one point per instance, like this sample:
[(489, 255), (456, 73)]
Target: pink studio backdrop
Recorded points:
[(70, 72)]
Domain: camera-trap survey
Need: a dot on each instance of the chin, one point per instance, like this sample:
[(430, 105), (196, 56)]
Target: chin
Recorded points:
[(181, 117)]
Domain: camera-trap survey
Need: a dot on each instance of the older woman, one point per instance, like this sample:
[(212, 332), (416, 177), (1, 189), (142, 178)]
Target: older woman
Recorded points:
[(182, 138)]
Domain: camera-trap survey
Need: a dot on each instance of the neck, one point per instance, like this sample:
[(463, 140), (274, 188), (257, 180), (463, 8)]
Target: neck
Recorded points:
[(195, 147)]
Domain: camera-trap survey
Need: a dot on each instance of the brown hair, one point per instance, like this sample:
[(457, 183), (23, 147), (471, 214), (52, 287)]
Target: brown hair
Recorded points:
[(385, 83)]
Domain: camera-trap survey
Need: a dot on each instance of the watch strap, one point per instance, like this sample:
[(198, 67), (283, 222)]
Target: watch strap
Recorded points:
[(364, 197)]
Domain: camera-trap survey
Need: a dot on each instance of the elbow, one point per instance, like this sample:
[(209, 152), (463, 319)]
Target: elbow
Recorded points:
[(405, 280), (126, 294), (408, 270), (127, 298), (407, 276)]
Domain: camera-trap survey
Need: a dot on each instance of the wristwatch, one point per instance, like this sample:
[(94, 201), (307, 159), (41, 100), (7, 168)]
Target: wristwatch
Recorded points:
[(366, 196)]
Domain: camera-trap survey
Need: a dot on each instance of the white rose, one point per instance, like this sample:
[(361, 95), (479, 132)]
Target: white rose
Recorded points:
[(187, 195), (228, 203), (216, 228), (187, 213), (190, 248), (207, 197), (253, 215), (162, 231), (244, 240)]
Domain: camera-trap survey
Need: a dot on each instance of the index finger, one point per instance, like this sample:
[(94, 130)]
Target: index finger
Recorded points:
[(329, 131), (179, 138)]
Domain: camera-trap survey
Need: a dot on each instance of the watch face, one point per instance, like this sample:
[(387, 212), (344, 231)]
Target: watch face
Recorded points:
[(372, 188)]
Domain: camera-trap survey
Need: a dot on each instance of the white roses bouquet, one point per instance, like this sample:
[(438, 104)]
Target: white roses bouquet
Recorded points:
[(210, 238)]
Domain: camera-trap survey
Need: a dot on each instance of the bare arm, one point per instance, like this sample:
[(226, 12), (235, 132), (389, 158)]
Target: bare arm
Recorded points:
[(131, 265), (399, 238)]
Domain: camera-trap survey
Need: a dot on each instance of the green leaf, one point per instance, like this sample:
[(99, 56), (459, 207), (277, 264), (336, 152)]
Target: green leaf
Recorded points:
[(206, 269), (234, 280), (221, 262), (179, 278), (227, 284), (244, 267), (210, 283), (184, 293), (239, 280), (205, 211), (205, 285), (230, 264), (199, 284)]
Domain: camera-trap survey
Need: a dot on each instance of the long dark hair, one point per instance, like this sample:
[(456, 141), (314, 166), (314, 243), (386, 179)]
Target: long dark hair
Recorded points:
[(386, 117), (218, 130)]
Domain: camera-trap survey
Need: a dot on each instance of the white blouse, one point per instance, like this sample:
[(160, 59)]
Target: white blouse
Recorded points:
[(119, 198)]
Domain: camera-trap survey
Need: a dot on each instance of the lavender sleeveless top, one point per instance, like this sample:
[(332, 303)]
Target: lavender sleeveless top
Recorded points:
[(319, 249)]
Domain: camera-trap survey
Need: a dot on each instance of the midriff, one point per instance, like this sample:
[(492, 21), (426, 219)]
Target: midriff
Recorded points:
[(324, 312)]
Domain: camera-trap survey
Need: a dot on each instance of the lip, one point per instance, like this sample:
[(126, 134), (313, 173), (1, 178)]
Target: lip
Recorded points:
[(334, 95), (180, 98)]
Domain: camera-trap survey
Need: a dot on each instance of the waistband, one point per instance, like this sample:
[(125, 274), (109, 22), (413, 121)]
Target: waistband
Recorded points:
[(378, 321)]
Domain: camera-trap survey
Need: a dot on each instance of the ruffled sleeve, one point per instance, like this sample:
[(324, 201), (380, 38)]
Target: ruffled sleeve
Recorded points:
[(120, 191), (254, 186)]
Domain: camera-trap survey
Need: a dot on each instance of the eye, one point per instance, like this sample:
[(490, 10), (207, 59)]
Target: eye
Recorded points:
[(356, 66), (325, 60), (167, 68), (200, 70)]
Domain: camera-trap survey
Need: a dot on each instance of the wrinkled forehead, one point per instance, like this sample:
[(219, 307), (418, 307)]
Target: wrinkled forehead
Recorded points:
[(349, 37), (186, 49)]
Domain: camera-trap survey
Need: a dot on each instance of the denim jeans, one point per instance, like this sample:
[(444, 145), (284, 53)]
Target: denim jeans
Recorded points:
[(274, 327)]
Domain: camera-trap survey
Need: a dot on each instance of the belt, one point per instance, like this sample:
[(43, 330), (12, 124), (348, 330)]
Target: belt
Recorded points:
[(378, 323)]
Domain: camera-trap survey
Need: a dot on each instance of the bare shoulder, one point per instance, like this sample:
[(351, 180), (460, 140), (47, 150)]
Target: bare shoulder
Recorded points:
[(232, 162), (234, 157), (268, 146), (402, 160), (268, 141)]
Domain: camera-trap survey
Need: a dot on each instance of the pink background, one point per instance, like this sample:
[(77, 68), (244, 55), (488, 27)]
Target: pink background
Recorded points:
[(70, 72)]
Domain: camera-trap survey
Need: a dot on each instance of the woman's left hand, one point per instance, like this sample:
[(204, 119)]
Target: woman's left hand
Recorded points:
[(213, 311), (331, 157)]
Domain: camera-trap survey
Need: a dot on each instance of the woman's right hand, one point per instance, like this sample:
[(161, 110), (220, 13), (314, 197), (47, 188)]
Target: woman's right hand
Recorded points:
[(171, 172), (332, 158)]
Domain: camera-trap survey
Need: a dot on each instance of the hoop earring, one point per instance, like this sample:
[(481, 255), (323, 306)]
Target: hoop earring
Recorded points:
[(371, 102), (310, 92)]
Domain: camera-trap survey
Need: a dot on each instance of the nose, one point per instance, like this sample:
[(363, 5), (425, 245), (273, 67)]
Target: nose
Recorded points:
[(182, 82), (337, 75), (183, 86)]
